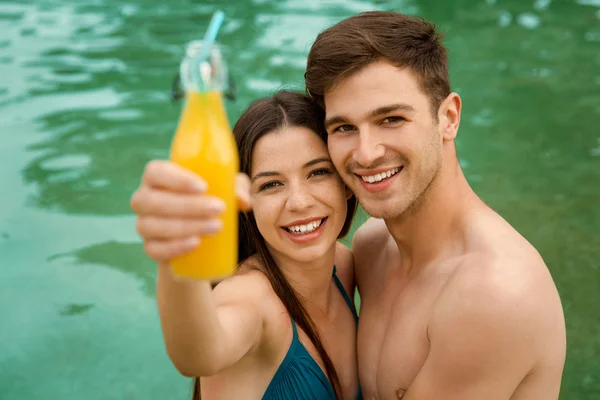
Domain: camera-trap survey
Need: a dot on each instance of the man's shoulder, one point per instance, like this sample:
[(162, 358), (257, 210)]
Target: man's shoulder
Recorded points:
[(488, 274), (371, 248), (370, 242), (490, 322), (500, 262), (373, 233), (512, 294), (344, 263)]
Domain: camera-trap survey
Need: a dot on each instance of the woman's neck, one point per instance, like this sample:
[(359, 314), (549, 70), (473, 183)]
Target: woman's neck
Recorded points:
[(311, 280)]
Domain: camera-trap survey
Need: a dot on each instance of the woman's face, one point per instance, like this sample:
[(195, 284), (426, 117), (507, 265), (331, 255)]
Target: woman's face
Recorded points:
[(298, 199)]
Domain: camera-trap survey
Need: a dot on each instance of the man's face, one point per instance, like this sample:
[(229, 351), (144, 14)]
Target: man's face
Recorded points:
[(383, 138)]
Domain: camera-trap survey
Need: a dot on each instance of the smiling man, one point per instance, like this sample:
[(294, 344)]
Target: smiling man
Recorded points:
[(456, 304)]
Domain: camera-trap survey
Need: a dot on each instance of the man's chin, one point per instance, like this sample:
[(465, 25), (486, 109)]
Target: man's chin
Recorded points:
[(379, 213), (381, 208)]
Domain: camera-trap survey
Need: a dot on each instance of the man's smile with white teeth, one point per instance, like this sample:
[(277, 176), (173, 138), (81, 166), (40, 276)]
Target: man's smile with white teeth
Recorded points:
[(380, 176)]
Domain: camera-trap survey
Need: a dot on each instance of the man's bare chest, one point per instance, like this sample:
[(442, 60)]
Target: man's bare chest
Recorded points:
[(392, 337)]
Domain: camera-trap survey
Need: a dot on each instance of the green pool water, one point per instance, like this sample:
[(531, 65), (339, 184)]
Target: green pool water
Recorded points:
[(84, 104)]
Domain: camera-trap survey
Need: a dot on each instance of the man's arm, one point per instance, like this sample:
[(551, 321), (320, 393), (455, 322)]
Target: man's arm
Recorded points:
[(482, 341)]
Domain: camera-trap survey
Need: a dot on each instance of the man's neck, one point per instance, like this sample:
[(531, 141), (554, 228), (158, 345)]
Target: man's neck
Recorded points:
[(435, 226)]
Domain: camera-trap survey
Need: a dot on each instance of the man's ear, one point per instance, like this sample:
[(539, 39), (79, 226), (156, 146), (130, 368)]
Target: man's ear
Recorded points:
[(449, 116)]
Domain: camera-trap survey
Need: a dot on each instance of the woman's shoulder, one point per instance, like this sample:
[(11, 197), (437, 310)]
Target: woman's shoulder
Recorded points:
[(251, 279), (344, 263), (248, 282)]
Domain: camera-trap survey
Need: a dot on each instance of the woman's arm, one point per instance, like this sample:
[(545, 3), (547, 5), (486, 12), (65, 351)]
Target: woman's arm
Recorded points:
[(205, 330), (208, 330)]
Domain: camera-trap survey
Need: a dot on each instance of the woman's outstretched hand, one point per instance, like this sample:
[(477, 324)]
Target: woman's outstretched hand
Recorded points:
[(174, 212)]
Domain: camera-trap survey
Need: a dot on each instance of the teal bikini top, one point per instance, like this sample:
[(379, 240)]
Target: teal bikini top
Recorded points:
[(299, 377)]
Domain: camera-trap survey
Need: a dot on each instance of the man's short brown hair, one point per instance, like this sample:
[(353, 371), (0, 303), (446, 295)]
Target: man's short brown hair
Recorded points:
[(402, 40)]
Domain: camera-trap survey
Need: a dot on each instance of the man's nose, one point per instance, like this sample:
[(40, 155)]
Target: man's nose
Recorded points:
[(370, 148)]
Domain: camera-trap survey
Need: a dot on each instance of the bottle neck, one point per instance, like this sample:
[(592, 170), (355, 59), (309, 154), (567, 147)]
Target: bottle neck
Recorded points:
[(206, 104), (206, 74)]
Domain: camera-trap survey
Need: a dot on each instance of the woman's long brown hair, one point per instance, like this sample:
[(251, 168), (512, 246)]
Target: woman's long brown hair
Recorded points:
[(284, 109)]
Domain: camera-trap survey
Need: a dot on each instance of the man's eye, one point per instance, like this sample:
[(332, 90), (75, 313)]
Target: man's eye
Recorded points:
[(269, 185), (344, 128), (393, 120)]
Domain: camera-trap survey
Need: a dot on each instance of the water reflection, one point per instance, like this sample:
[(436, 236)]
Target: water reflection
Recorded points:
[(75, 309), (109, 86), (124, 257)]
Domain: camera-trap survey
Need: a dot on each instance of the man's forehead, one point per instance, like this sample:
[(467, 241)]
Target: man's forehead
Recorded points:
[(366, 92), (356, 108)]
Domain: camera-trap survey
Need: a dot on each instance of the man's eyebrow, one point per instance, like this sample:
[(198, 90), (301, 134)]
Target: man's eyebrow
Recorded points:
[(391, 108), (338, 119)]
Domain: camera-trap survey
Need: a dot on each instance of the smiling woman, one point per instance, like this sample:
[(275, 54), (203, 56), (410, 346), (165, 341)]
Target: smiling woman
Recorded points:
[(299, 230), (302, 198), (286, 316)]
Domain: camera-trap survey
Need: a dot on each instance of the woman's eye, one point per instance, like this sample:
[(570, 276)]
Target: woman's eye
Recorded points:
[(269, 185), (320, 171)]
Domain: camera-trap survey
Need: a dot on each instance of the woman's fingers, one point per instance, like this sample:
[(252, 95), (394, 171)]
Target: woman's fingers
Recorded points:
[(157, 228), (162, 203), (169, 176), (174, 211), (164, 251)]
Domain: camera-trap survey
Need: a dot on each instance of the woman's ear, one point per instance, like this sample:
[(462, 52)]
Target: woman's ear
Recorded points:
[(242, 191), (349, 193)]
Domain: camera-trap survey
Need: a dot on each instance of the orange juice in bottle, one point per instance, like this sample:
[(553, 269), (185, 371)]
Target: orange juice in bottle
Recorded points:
[(204, 144)]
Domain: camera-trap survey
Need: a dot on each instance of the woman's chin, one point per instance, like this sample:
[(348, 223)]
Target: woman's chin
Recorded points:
[(308, 254)]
